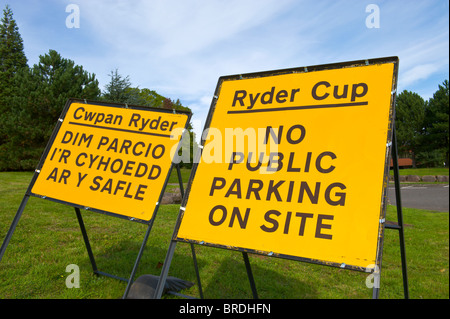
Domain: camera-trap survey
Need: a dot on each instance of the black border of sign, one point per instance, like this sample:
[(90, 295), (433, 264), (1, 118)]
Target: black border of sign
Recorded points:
[(55, 133), (383, 200)]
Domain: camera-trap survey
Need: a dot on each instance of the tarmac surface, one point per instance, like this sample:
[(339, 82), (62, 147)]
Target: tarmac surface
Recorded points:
[(425, 196)]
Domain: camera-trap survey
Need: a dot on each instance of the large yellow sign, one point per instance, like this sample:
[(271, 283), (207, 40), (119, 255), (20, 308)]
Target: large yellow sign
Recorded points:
[(295, 164), (110, 158)]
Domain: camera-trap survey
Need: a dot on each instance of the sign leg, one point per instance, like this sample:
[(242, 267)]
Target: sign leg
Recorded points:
[(250, 275), (138, 259), (165, 270), (86, 240), (180, 181), (13, 225), (399, 215), (196, 271), (376, 284)]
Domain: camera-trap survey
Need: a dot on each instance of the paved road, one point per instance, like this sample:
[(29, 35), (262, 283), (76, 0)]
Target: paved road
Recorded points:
[(430, 196)]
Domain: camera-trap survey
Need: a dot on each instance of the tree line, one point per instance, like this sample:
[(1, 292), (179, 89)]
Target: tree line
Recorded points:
[(32, 98), (422, 127)]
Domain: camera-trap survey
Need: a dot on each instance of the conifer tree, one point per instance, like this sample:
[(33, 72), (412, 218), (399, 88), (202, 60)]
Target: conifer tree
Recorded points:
[(12, 56), (40, 95), (436, 126), (409, 117), (117, 90)]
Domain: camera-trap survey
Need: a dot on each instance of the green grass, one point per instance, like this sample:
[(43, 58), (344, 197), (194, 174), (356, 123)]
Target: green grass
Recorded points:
[(185, 173), (48, 238), (423, 171)]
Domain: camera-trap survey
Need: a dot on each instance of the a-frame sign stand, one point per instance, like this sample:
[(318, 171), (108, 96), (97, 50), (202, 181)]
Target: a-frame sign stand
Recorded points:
[(143, 142), (234, 95)]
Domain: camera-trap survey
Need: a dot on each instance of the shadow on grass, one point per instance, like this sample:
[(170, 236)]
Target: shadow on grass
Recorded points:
[(223, 274), (230, 280)]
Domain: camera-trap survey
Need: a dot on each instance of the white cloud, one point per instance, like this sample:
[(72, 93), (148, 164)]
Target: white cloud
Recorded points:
[(175, 28), (423, 59), (419, 72), (181, 48)]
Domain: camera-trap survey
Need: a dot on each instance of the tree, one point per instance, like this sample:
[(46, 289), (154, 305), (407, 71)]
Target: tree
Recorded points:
[(409, 119), (117, 89), (437, 124), (145, 97), (167, 104), (41, 93), (12, 57)]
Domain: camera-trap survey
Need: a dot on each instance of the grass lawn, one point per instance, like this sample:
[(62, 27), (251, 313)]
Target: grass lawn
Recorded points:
[(185, 173), (422, 171), (48, 238)]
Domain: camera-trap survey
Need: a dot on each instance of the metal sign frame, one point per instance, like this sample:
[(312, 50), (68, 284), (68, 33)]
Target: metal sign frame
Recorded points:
[(79, 205), (391, 151), (56, 131)]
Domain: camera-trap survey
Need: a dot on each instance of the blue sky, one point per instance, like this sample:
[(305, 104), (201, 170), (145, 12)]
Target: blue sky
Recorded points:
[(181, 47)]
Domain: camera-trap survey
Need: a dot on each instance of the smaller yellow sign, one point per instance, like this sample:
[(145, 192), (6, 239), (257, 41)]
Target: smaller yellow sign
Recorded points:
[(110, 158)]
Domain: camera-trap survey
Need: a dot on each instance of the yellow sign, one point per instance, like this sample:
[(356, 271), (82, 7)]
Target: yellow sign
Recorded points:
[(295, 164), (110, 158)]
